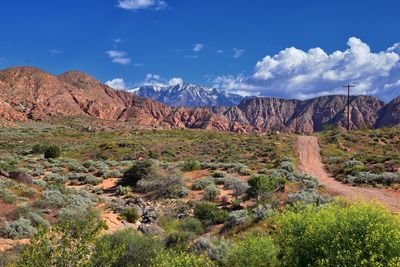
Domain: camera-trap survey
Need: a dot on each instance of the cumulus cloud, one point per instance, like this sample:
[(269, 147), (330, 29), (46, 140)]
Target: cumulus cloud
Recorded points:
[(117, 83), (237, 53), (119, 57), (302, 74), (142, 4), (175, 81), (198, 47)]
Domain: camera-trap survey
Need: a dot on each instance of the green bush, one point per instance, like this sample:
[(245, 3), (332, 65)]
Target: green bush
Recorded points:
[(38, 149), (130, 214), (138, 171), (201, 184), (52, 152), (182, 259), (356, 235), (64, 244), (262, 186), (210, 214), (125, 248), (190, 165), (253, 250), (191, 225)]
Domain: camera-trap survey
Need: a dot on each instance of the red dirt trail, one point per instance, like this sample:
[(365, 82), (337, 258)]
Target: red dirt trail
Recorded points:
[(308, 152)]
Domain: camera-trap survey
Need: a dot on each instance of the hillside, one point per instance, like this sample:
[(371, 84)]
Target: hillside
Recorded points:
[(28, 93)]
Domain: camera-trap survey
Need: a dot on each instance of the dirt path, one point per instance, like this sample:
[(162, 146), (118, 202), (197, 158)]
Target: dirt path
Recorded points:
[(308, 152)]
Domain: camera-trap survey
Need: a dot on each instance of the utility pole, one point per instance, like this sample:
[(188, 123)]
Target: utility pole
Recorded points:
[(348, 86)]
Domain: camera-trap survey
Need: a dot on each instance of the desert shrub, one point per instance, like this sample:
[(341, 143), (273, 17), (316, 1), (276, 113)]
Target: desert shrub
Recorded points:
[(287, 166), (8, 196), (244, 171), (237, 217), (162, 185), (262, 186), (253, 250), (260, 212), (123, 190), (138, 171), (216, 248), (210, 214), (64, 244), (126, 248), (55, 177), (307, 196), (352, 163), (111, 174), (201, 184), (191, 225), (52, 152), (131, 215), (177, 238), (333, 235), (218, 174), (42, 184), (36, 219), (38, 149), (182, 192), (307, 180), (154, 155), (53, 198), (90, 179), (18, 229), (190, 165), (88, 163), (385, 178), (211, 192), (181, 259), (238, 186)]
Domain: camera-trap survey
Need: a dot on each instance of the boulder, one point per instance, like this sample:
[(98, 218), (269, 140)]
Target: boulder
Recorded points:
[(4, 173), (151, 229), (21, 177)]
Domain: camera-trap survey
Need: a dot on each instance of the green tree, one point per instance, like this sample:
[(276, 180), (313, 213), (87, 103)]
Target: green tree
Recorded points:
[(138, 171)]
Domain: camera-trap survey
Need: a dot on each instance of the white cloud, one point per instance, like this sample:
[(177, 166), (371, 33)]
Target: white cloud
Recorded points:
[(117, 83), (175, 81), (302, 74), (192, 56), (55, 52), (119, 57), (220, 51), (142, 4), (237, 53), (157, 81), (198, 47)]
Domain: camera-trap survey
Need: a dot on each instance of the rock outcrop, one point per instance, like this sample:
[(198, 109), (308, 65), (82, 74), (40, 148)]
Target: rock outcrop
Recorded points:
[(28, 93)]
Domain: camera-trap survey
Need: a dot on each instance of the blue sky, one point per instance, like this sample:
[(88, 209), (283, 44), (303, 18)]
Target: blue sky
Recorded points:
[(223, 43)]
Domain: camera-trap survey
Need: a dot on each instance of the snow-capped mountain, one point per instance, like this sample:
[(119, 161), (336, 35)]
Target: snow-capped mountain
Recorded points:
[(189, 95)]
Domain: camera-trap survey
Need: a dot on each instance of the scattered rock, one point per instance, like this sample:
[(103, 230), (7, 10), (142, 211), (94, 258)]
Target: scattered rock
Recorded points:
[(21, 177), (151, 229)]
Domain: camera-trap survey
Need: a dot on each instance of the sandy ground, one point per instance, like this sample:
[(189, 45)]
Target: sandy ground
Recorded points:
[(308, 152)]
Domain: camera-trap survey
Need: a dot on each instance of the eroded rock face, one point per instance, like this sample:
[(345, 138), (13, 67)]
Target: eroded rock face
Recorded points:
[(390, 114), (29, 93)]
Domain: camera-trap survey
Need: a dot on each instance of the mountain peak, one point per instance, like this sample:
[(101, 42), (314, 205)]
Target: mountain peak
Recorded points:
[(188, 94)]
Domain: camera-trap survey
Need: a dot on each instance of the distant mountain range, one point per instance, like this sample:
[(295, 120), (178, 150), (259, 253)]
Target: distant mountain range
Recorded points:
[(188, 95), (28, 93)]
